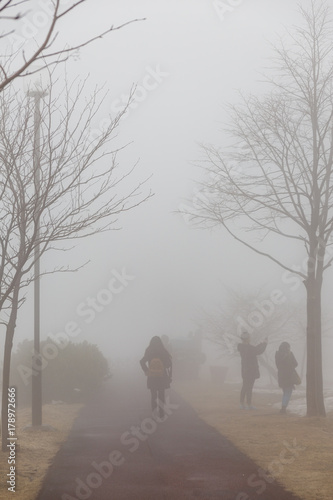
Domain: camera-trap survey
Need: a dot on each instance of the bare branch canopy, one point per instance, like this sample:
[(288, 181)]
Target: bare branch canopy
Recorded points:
[(274, 185)]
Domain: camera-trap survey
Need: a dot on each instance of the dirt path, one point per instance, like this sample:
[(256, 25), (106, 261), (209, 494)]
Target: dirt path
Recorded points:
[(118, 451)]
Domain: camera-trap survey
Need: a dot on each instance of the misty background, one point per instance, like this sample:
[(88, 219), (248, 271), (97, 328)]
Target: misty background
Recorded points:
[(188, 63)]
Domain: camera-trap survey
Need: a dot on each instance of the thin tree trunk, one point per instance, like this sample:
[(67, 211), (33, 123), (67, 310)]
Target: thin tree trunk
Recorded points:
[(314, 376), (6, 367), (5, 386)]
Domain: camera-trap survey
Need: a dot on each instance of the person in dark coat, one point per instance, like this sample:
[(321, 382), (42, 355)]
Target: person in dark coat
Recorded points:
[(286, 363), (250, 368), (157, 365)]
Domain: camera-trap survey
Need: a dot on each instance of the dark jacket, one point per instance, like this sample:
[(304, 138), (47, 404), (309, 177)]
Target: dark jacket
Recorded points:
[(286, 364), (249, 353), (157, 382)]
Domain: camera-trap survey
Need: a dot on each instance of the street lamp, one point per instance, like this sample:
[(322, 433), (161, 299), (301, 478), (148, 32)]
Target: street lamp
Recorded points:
[(37, 93)]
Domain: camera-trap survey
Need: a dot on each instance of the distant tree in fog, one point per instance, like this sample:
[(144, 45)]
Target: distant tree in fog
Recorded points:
[(55, 184), (262, 315), (283, 183)]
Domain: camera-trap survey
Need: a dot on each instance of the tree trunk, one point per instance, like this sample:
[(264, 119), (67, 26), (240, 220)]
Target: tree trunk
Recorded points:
[(6, 367), (314, 374), (5, 386)]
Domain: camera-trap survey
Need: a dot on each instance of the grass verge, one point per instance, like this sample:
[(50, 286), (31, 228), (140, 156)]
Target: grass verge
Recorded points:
[(306, 468), (35, 449)]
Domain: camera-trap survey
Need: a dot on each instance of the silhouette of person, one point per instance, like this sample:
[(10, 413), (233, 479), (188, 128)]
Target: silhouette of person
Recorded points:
[(286, 363), (250, 368), (157, 365)]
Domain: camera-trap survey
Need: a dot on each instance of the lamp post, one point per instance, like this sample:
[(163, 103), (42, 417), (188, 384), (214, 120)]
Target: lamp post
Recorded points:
[(37, 94)]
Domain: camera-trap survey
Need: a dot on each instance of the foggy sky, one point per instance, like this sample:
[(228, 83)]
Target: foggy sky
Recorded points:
[(190, 63)]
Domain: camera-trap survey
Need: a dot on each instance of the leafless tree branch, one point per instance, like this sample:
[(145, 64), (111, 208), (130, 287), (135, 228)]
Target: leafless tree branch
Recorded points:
[(18, 63)]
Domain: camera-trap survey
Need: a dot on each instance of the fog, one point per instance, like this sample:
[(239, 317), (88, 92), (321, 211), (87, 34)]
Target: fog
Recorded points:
[(169, 271)]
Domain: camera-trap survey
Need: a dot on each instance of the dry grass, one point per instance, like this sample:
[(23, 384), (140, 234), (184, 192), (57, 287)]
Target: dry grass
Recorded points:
[(262, 435), (36, 449)]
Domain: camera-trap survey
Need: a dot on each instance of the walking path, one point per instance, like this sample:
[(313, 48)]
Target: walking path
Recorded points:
[(118, 451)]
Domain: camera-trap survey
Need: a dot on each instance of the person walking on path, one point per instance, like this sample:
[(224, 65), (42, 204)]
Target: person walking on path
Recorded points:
[(250, 368), (287, 376), (157, 365)]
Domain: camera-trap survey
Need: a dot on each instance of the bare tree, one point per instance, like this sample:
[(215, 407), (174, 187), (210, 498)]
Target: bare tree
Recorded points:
[(41, 52), (260, 313), (283, 183), (75, 190)]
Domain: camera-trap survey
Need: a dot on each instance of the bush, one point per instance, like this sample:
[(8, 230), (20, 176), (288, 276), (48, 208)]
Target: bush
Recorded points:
[(70, 373)]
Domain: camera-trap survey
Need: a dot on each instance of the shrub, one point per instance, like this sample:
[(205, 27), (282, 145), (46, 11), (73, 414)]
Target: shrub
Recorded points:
[(69, 373)]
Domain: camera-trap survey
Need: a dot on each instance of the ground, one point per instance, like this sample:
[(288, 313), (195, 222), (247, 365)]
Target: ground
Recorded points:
[(293, 449), (263, 434), (36, 449)]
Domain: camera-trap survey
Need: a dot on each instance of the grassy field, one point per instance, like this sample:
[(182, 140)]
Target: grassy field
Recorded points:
[(36, 449), (297, 451)]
